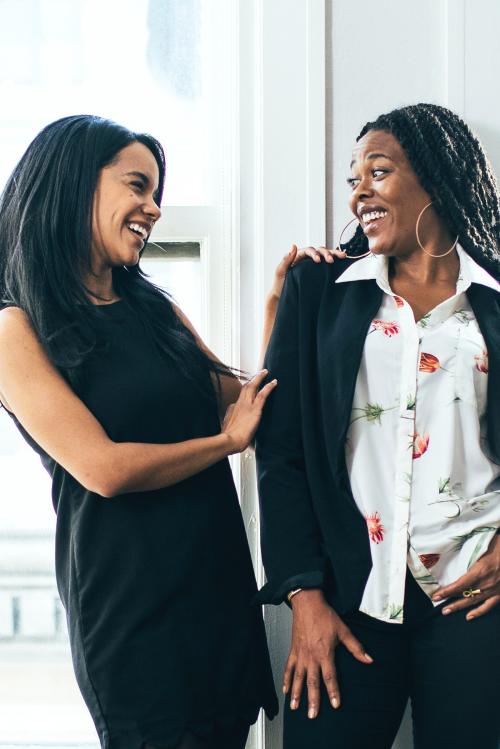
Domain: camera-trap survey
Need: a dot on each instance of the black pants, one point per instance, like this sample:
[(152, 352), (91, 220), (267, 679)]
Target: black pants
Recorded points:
[(449, 668), (230, 737)]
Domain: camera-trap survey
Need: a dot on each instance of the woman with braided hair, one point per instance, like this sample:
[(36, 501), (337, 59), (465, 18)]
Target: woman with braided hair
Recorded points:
[(379, 453)]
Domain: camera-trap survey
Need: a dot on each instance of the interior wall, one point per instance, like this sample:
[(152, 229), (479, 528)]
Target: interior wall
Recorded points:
[(391, 54)]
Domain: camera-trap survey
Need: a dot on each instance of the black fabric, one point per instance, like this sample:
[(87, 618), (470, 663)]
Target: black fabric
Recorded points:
[(222, 737), (313, 534), (157, 585), (448, 667)]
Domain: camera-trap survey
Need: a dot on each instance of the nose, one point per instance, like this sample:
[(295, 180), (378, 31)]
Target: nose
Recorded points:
[(363, 190), (152, 210)]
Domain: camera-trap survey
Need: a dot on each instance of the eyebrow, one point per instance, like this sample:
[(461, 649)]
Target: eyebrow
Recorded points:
[(143, 176), (372, 156)]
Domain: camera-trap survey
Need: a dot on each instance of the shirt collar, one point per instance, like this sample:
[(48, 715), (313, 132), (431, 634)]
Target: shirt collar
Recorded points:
[(375, 267)]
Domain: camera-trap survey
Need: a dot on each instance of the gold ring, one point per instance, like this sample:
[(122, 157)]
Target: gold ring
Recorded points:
[(469, 593)]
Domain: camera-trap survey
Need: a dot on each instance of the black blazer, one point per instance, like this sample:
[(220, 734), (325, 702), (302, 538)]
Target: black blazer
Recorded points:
[(312, 533)]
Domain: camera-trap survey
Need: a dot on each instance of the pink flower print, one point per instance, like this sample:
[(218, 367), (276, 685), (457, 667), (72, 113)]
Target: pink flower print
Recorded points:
[(420, 444), (399, 302), (429, 560), (375, 528), (482, 362), (387, 328), (428, 363)]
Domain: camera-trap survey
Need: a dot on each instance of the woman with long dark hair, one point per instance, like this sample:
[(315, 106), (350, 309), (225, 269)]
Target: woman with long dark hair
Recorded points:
[(109, 383), (379, 452)]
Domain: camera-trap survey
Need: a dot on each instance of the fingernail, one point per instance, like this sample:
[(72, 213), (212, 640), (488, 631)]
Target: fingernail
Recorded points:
[(335, 702), (437, 597), (447, 611), (284, 689), (368, 658), (311, 713), (294, 704), (470, 616)]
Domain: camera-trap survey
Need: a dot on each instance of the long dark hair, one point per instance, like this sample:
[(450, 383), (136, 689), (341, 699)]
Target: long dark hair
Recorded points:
[(453, 168), (45, 249)]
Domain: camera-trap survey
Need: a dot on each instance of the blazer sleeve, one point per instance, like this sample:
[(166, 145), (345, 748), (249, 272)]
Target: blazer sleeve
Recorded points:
[(290, 536)]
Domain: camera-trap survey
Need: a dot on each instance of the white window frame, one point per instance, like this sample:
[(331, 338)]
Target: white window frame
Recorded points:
[(282, 122)]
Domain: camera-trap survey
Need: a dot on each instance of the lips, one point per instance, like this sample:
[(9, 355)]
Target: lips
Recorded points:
[(371, 216)]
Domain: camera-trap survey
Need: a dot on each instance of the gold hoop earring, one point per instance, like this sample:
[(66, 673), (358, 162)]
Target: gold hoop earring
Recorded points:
[(418, 236), (350, 257)]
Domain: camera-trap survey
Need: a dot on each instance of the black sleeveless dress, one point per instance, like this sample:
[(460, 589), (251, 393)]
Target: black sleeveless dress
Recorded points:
[(157, 585)]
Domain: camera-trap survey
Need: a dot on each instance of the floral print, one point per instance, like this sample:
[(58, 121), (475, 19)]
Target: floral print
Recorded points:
[(371, 412), (410, 428), (428, 363), (482, 362), (384, 326), (375, 528), (429, 560), (420, 444)]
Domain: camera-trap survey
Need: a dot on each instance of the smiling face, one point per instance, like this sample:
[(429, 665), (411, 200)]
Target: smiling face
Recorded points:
[(387, 197), (124, 210)]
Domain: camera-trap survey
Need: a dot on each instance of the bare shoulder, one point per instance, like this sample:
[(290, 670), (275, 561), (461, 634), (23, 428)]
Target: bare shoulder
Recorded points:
[(17, 334), (14, 320)]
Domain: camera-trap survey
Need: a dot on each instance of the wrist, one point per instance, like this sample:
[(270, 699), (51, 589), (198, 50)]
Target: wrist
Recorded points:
[(228, 443), (306, 597)]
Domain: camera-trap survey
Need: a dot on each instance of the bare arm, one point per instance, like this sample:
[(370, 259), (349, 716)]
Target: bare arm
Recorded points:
[(62, 425), (271, 304)]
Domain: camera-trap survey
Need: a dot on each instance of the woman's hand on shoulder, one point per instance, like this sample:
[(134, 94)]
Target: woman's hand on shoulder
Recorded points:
[(484, 577), (296, 255), (242, 418)]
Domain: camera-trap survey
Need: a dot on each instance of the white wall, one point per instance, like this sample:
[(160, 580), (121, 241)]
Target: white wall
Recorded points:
[(388, 54)]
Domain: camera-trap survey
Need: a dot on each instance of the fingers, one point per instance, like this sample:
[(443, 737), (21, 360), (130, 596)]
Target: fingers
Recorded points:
[(471, 580), (313, 694), (354, 646), (297, 685), (264, 392), (288, 673), (318, 253), (486, 606), (329, 675), (256, 381), (465, 603)]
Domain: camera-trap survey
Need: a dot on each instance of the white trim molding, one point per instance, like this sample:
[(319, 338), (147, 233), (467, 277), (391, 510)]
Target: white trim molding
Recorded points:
[(282, 201)]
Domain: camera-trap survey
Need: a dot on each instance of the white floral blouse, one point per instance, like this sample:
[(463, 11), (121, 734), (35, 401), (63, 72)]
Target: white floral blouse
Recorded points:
[(416, 451)]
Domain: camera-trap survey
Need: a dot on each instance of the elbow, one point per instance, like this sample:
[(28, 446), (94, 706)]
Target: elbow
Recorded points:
[(105, 478), (101, 484)]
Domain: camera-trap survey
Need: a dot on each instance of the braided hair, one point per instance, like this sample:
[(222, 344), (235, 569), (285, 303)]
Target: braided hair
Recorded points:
[(454, 170)]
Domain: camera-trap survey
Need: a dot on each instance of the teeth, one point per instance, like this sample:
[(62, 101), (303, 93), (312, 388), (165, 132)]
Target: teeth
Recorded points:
[(367, 217), (138, 230)]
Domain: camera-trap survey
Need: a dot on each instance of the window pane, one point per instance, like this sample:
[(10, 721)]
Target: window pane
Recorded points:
[(148, 65), (176, 267)]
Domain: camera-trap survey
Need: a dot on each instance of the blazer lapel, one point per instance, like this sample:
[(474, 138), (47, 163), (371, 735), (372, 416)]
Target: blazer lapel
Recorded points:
[(486, 305), (344, 319)]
